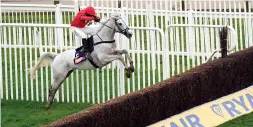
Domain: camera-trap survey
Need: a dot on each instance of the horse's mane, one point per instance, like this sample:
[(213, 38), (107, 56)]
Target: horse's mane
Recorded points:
[(115, 15)]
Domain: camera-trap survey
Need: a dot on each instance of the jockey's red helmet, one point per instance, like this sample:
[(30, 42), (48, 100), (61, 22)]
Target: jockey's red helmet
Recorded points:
[(90, 10)]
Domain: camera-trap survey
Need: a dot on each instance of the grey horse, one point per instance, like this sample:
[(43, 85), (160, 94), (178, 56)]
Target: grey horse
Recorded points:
[(104, 53)]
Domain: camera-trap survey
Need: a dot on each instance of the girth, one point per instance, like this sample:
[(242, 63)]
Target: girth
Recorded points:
[(91, 61), (104, 42)]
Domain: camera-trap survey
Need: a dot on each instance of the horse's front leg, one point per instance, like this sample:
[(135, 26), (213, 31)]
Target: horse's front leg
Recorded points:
[(104, 59), (123, 51)]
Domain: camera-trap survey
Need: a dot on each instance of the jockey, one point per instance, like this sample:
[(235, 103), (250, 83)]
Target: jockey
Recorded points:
[(78, 25)]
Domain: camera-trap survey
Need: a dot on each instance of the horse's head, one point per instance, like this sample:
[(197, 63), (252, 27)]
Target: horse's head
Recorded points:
[(121, 26)]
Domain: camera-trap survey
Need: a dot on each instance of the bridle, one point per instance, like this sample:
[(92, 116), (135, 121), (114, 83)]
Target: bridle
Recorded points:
[(122, 31)]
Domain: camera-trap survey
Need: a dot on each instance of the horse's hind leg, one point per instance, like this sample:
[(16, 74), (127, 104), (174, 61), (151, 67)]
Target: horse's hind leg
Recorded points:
[(55, 86), (57, 81)]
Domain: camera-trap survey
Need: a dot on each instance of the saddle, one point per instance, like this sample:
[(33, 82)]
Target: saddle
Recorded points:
[(83, 52)]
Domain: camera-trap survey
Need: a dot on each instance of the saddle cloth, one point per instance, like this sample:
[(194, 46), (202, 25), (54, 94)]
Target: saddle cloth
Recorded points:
[(80, 54)]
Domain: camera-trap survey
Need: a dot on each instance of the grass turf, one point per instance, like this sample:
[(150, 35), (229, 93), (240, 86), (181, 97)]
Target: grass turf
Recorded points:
[(243, 121), (33, 114)]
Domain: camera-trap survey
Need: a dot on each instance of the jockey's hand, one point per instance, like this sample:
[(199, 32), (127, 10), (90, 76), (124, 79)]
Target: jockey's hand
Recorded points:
[(97, 19), (89, 23)]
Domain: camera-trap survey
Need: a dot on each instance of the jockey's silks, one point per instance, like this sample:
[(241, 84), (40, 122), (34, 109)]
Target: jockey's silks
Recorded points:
[(81, 19)]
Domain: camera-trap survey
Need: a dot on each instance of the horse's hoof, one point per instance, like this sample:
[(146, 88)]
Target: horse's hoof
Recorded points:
[(131, 69), (49, 103), (47, 107), (128, 73)]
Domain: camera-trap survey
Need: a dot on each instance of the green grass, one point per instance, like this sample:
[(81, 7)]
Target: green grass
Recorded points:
[(243, 121), (33, 114)]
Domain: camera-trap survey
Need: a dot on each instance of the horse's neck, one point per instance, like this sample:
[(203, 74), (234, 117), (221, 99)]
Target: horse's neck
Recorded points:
[(106, 34)]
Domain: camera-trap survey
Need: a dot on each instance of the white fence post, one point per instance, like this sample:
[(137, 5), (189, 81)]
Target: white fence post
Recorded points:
[(152, 36), (190, 39), (1, 77), (59, 34), (249, 27), (76, 6), (78, 39), (165, 56)]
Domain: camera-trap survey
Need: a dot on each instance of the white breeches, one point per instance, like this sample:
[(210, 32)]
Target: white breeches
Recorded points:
[(83, 32)]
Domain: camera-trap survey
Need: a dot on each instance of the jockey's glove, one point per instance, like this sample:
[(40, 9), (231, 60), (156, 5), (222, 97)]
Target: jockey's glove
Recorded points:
[(97, 19)]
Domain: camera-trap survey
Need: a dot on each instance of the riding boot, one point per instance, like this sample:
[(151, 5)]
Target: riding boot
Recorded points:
[(86, 48)]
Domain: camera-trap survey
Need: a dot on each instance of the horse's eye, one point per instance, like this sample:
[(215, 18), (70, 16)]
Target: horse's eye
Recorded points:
[(120, 23)]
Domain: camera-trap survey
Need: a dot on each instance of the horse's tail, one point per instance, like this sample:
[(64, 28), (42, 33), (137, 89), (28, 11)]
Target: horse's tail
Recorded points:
[(44, 60)]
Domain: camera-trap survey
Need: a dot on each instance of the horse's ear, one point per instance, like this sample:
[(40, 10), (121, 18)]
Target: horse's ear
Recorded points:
[(115, 15)]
